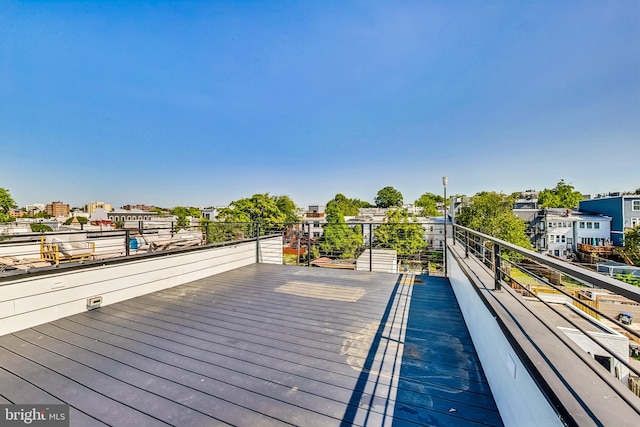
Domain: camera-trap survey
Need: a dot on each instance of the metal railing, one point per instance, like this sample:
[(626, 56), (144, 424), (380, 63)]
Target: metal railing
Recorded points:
[(417, 246), (537, 277)]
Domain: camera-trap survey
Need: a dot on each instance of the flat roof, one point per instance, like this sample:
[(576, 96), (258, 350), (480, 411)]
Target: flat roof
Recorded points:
[(260, 345)]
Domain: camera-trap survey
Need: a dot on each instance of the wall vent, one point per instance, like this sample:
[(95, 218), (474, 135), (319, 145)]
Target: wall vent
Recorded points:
[(94, 302)]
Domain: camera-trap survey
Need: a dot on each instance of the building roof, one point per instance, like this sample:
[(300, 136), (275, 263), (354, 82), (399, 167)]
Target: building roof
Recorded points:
[(260, 345)]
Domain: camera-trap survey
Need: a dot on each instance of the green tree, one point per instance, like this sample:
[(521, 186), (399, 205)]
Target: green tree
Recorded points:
[(38, 227), (183, 211), (632, 244), (400, 233), (6, 201), (261, 209), (338, 237), (348, 207), (562, 196), (159, 211), (491, 213), (288, 208), (388, 197), (42, 214), (428, 202), (637, 191), (629, 278), (6, 204), (81, 220), (182, 214)]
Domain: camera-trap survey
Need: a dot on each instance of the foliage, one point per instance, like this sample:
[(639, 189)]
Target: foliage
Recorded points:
[(428, 203), (157, 210), (490, 213), (42, 214), (348, 207), (182, 211), (632, 244), (259, 208), (637, 191), (562, 196), (288, 208), (182, 215), (81, 220), (629, 278), (6, 204), (400, 233), (338, 237), (388, 197), (182, 222), (6, 201), (38, 227), (225, 231)]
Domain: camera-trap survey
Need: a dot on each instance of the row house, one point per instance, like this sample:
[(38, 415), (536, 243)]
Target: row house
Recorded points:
[(624, 210), (562, 232)]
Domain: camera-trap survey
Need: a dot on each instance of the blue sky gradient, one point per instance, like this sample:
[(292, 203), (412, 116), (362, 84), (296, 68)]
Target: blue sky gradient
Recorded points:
[(203, 102)]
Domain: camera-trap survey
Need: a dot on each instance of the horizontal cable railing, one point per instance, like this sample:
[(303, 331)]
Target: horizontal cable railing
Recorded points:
[(415, 246), (537, 277)]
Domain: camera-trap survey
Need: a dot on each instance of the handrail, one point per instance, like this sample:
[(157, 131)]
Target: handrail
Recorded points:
[(595, 279)]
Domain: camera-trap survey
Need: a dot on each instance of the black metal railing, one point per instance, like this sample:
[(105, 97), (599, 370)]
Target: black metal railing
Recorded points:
[(416, 246), (535, 276)]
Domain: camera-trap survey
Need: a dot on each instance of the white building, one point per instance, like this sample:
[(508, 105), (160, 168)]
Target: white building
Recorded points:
[(562, 230)]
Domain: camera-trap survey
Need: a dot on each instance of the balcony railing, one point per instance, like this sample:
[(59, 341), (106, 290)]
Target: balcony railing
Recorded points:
[(414, 246), (552, 312)]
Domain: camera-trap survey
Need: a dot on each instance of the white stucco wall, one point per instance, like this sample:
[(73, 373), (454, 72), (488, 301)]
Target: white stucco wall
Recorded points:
[(519, 399), (32, 300)]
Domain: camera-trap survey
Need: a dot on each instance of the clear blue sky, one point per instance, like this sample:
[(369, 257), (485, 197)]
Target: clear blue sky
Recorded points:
[(204, 102)]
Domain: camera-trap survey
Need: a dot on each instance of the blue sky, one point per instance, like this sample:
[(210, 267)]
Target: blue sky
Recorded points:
[(205, 102)]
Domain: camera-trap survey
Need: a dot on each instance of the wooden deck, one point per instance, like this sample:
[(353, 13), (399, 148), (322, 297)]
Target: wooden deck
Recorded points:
[(258, 346)]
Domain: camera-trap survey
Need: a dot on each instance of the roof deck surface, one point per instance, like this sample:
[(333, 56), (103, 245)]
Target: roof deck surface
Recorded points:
[(257, 346)]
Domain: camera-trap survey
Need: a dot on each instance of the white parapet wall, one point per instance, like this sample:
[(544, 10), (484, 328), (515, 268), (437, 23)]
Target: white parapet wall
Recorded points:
[(30, 300), (518, 397)]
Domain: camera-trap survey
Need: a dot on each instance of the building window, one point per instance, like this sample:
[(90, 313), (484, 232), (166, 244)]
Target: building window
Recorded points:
[(563, 238), (569, 240), (581, 224), (635, 222), (635, 205), (596, 225), (589, 224)]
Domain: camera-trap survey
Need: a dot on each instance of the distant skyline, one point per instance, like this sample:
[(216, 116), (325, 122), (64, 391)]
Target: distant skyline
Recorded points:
[(200, 103)]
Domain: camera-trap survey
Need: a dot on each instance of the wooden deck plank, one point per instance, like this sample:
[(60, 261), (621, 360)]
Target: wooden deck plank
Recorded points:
[(260, 345)]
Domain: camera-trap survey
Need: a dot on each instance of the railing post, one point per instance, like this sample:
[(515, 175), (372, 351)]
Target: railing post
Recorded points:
[(453, 231), (370, 247), (257, 228), (466, 244), (497, 271), (308, 244), (206, 233), (127, 242)]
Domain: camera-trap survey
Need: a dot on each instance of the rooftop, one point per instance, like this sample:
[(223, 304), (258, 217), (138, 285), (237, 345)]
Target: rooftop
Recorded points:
[(260, 345)]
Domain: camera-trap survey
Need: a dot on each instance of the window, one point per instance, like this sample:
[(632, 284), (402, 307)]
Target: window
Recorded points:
[(635, 205), (596, 225), (581, 224), (563, 239), (551, 238), (570, 240), (635, 222), (589, 224)]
